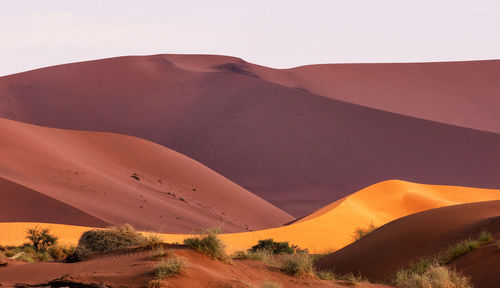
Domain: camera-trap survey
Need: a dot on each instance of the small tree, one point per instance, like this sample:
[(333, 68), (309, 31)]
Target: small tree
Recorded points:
[(40, 238)]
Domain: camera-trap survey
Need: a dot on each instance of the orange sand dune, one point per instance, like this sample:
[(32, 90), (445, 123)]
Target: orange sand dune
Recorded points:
[(330, 228), (91, 172), (381, 253)]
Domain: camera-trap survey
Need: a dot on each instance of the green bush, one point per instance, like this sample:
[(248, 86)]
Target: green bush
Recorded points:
[(153, 242), (274, 247), (458, 250), (209, 244), (170, 266), (40, 239), (362, 232), (436, 276), (297, 265)]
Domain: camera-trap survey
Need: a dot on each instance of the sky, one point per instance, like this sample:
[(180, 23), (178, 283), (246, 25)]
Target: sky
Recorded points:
[(275, 33)]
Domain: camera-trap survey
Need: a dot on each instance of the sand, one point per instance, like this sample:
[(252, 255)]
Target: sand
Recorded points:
[(381, 253), (328, 229), (85, 178), (284, 136)]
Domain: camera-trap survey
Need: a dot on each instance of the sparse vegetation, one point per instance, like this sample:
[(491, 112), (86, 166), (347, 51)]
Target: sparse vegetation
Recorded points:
[(209, 244), (172, 265), (40, 238), (270, 284), (259, 255), (159, 253), (297, 265), (435, 276), (351, 279), (136, 177), (325, 274), (152, 241), (362, 232), (485, 237)]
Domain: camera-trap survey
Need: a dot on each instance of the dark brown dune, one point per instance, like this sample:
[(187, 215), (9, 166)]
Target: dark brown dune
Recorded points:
[(296, 149), (381, 253), (76, 176), (21, 204)]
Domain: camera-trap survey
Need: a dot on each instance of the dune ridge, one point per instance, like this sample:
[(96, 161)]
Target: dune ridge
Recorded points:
[(93, 172), (247, 122)]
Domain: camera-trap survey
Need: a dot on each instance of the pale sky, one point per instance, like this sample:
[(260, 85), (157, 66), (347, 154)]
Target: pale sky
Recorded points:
[(278, 34)]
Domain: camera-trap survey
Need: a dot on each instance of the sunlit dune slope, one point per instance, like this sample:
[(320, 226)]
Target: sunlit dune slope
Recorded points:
[(381, 253), (332, 228), (91, 173), (289, 136)]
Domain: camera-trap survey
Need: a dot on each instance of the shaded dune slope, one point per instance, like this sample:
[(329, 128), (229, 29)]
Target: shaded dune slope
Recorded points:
[(92, 172), (459, 93), (381, 253), (228, 115), (21, 204)]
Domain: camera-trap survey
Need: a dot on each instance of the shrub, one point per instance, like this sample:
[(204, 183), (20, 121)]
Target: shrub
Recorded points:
[(436, 276), (58, 252), (270, 284), (41, 239), (26, 258), (362, 232), (170, 266), (273, 246), (297, 265), (136, 177), (111, 239), (208, 244)]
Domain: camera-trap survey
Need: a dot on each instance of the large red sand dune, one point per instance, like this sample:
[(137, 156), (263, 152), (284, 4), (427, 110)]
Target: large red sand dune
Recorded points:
[(264, 130), (381, 253), (84, 178)]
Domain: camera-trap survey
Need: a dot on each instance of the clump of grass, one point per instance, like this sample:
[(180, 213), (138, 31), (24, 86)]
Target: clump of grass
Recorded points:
[(436, 276), (157, 283), (270, 284), (259, 255), (325, 274), (209, 244), (170, 266), (351, 279), (153, 241), (272, 246), (458, 250), (26, 258), (160, 253), (59, 252), (485, 237), (297, 265), (136, 177), (362, 232)]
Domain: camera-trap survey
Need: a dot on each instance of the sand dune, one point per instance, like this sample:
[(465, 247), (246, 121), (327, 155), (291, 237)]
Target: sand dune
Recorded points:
[(84, 178), (133, 268), (328, 229), (270, 132), (419, 235)]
